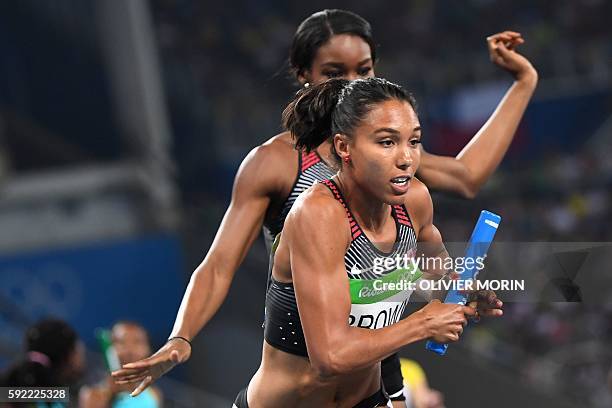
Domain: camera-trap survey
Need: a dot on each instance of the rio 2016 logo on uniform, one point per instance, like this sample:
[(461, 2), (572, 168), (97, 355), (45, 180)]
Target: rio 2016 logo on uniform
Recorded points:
[(366, 291)]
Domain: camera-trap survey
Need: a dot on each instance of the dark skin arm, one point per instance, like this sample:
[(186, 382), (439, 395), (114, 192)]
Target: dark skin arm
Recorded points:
[(316, 249), (466, 173), (259, 178)]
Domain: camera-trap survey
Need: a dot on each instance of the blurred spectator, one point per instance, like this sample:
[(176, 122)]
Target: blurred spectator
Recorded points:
[(420, 395), (131, 343), (54, 357)]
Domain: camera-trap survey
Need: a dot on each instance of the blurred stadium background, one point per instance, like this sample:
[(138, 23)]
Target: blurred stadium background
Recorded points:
[(122, 124)]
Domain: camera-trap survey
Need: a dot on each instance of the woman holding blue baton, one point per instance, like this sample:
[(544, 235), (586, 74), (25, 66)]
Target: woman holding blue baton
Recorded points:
[(324, 340)]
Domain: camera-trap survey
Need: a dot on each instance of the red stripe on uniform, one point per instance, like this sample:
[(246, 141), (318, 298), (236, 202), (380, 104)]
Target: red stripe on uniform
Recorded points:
[(401, 215), (309, 160), (355, 230)]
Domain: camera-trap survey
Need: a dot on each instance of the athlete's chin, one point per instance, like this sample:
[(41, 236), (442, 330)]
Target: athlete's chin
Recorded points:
[(390, 194), (397, 191), (395, 198)]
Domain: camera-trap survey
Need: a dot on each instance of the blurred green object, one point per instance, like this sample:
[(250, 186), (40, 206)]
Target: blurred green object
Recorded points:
[(108, 350)]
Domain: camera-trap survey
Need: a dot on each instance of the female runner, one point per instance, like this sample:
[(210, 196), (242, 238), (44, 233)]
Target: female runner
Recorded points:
[(325, 335)]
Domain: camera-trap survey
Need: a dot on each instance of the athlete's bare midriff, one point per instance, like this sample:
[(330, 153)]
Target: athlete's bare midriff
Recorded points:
[(286, 380)]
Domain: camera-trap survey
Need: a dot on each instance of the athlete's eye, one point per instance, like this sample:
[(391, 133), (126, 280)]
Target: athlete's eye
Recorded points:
[(333, 74), (386, 143), (414, 142), (364, 71)]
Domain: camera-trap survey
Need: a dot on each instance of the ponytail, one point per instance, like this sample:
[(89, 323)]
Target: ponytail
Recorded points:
[(309, 116), (336, 106)]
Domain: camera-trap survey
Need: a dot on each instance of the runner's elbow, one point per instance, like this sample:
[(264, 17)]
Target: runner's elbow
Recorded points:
[(330, 365)]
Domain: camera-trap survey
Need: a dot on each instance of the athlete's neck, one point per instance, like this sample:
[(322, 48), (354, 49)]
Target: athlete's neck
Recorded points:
[(324, 150), (371, 213)]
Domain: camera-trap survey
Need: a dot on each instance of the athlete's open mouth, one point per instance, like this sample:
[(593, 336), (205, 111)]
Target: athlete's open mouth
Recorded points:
[(401, 181)]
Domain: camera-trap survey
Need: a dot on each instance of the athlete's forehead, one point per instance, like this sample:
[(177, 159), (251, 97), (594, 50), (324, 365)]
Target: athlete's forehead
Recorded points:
[(343, 50), (392, 116)]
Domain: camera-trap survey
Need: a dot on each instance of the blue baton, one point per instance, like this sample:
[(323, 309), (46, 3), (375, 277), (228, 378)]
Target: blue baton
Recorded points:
[(479, 244)]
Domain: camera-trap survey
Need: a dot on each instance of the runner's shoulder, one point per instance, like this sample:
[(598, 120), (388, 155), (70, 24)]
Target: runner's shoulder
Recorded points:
[(281, 144), (271, 162), (317, 206)]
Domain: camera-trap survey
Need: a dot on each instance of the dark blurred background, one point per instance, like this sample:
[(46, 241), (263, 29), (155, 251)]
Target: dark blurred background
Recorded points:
[(122, 124)]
